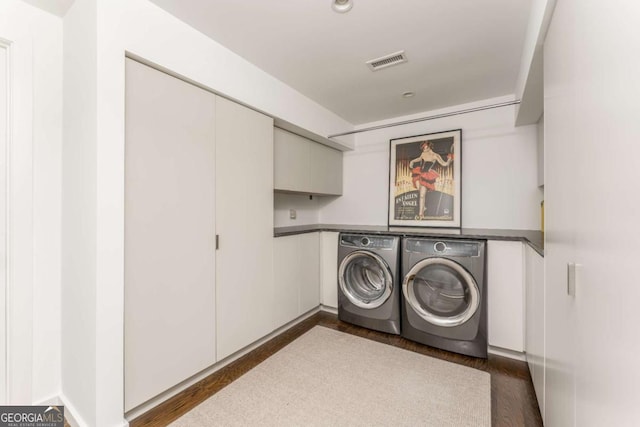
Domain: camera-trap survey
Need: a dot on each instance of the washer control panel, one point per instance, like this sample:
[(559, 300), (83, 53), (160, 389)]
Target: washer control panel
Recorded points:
[(368, 241), (440, 247)]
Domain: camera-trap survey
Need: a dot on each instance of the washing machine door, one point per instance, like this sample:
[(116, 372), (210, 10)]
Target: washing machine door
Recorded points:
[(441, 291), (365, 279)]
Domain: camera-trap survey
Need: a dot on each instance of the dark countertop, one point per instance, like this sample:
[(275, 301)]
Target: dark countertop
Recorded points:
[(533, 238)]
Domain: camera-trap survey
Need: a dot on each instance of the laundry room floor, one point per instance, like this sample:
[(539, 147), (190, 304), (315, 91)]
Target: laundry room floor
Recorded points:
[(513, 401)]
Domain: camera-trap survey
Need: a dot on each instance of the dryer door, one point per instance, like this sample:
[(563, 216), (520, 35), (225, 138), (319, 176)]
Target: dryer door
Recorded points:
[(365, 279), (441, 292)]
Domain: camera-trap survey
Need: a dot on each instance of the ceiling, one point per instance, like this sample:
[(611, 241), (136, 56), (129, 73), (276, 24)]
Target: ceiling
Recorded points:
[(458, 51), (57, 7)]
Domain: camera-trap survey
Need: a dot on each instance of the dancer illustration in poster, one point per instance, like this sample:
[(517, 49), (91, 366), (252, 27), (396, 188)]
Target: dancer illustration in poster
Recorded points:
[(423, 175)]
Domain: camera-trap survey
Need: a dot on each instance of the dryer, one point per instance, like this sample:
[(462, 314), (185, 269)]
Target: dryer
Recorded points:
[(444, 294), (368, 281)]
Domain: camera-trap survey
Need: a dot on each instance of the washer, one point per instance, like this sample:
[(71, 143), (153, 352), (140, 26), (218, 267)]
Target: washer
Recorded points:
[(444, 294), (368, 281)]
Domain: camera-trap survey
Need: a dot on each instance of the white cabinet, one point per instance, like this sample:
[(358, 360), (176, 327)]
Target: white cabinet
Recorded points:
[(292, 162), (505, 284), (197, 166), (169, 232), (297, 276), (244, 223), (329, 269), (286, 254), (534, 309), (304, 166), (325, 169), (309, 280)]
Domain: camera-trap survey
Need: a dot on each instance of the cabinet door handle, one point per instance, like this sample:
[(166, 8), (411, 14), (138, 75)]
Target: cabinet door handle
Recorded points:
[(217, 242), (573, 278)]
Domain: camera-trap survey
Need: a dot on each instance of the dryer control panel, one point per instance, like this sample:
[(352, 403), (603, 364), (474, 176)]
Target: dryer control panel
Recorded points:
[(368, 241), (452, 248)]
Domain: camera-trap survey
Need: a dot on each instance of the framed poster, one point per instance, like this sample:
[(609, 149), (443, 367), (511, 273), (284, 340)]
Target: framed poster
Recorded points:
[(424, 180)]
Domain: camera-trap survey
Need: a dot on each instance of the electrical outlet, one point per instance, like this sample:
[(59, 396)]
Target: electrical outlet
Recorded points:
[(292, 214)]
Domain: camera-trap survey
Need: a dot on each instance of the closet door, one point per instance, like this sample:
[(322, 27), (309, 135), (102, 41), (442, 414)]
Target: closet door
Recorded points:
[(169, 232), (4, 103), (309, 265), (244, 221)]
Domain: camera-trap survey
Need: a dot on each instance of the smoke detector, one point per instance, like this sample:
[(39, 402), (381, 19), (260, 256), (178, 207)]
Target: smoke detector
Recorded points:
[(387, 61), (342, 6)]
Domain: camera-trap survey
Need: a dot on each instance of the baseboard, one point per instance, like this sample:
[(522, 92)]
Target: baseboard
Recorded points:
[(329, 309), (152, 403), (49, 401), (508, 353), (71, 414)]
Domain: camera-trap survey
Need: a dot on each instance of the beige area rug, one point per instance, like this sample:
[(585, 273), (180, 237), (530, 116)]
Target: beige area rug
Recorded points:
[(329, 378)]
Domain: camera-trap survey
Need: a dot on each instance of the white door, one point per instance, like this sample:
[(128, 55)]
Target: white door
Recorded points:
[(535, 322), (169, 232), (329, 269), (309, 284), (4, 103), (505, 298), (244, 222), (560, 220), (591, 189)]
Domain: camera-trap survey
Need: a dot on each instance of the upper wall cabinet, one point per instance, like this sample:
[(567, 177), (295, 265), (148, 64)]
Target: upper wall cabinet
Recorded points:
[(304, 166)]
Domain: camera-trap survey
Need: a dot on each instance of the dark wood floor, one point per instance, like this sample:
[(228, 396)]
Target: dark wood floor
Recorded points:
[(513, 402)]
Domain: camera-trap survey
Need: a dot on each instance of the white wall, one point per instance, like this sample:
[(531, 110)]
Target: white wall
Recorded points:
[(35, 140), (540, 153), (499, 175), (529, 85), (307, 210), (79, 214), (47, 181), (592, 168)]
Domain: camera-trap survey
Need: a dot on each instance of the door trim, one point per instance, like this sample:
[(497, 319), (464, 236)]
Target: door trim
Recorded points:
[(4, 138), (18, 286)]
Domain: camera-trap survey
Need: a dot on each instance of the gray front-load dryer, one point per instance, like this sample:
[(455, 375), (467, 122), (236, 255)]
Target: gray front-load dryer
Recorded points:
[(444, 294), (368, 284)]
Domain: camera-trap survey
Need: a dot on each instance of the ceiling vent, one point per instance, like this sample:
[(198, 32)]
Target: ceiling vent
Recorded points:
[(387, 61)]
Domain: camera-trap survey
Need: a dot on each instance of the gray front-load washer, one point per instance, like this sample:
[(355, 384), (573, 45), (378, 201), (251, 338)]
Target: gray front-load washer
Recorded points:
[(368, 283), (444, 294)]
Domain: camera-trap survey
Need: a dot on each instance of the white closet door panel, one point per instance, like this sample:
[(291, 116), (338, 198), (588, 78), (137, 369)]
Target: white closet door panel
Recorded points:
[(286, 253), (535, 321), (169, 232), (329, 269), (505, 287), (3, 219), (309, 262), (244, 221)]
